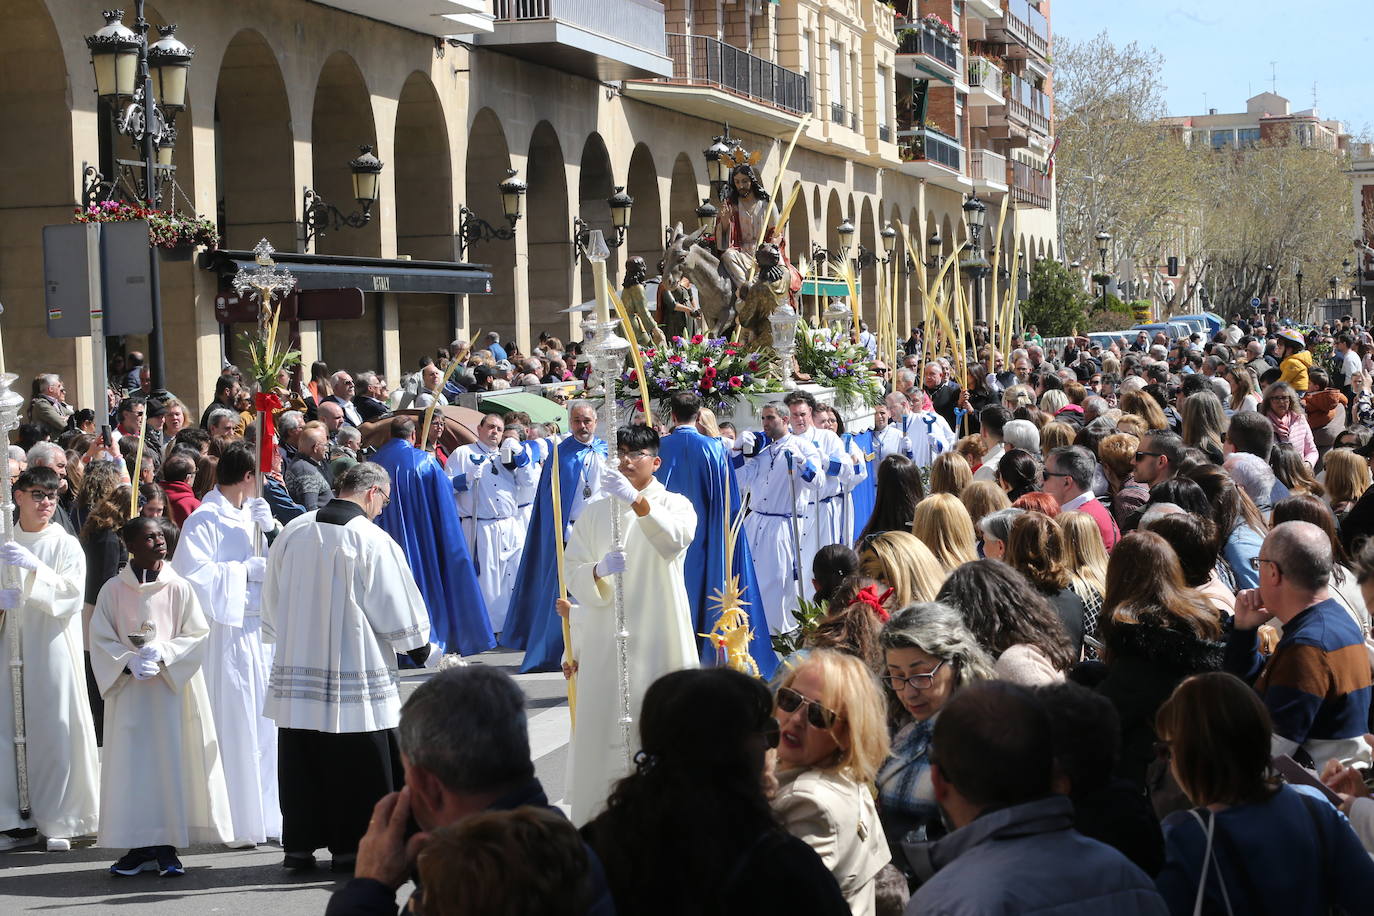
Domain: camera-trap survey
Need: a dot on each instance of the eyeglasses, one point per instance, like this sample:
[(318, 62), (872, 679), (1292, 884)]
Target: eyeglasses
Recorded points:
[(40, 496), (1057, 474), (386, 500), (916, 681), (1141, 456), (1256, 561), (817, 716), (634, 456)]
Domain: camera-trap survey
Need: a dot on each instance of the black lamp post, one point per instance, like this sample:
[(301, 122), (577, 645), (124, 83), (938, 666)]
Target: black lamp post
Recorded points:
[(1298, 277), (1104, 239), (620, 205), (321, 217), (706, 217), (472, 228), (1333, 283), (975, 213), (889, 236), (143, 87), (934, 245)]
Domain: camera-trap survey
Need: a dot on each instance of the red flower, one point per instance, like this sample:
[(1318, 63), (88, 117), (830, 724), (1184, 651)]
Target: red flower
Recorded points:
[(731, 351), (736, 381), (697, 338), (706, 360), (651, 353), (709, 372), (633, 376), (753, 365)]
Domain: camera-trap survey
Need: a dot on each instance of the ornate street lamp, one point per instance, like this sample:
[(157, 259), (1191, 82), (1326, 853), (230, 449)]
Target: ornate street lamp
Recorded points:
[(1104, 239), (707, 214), (975, 213), (114, 53), (889, 236), (472, 228), (170, 62), (845, 230), (620, 205), (320, 216)]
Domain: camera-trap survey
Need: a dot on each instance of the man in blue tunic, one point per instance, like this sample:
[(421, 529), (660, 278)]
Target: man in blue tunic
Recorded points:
[(531, 622), (422, 518), (698, 467)]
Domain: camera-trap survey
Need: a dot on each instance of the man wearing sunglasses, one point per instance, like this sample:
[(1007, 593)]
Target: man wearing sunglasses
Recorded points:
[(657, 528), (43, 600)]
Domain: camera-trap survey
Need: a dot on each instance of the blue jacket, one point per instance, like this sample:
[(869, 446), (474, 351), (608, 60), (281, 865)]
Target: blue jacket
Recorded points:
[(1028, 859)]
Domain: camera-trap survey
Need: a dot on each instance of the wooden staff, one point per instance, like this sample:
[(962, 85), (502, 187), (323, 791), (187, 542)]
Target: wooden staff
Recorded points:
[(138, 463), (635, 356), (557, 488)]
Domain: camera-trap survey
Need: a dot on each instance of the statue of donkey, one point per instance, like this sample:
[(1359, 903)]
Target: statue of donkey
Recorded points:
[(715, 290)]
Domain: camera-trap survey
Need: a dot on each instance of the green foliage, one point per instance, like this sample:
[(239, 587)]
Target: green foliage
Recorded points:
[(1108, 321), (809, 615), (1057, 303)]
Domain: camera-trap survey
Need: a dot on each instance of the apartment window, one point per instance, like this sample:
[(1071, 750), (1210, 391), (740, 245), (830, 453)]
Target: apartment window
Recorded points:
[(856, 88), (836, 83), (804, 65), (1221, 139), (881, 104), (957, 14), (1247, 137), (959, 100)]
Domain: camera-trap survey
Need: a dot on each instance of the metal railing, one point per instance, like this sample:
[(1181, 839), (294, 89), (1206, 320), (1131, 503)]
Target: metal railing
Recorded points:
[(983, 73), (933, 146), (635, 22), (919, 40), (985, 165), (843, 116), (1028, 104), (1030, 185), (884, 133), (701, 59), (1028, 25)]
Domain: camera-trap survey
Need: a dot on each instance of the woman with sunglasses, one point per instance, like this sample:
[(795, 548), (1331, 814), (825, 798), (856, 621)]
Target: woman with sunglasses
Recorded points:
[(928, 655), (1283, 409), (832, 738)]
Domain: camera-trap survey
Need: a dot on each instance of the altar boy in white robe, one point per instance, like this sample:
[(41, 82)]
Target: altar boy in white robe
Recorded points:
[(339, 604), (657, 527), (44, 602), (216, 555), (162, 785)]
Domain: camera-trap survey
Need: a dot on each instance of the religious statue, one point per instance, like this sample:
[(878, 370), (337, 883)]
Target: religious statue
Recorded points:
[(635, 299), (768, 290)]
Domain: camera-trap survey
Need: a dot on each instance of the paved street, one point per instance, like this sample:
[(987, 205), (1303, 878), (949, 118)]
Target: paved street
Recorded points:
[(234, 882)]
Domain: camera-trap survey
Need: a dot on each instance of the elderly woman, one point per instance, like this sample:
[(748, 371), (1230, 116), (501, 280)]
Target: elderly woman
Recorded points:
[(928, 655), (1252, 845), (1282, 408), (832, 739), (995, 530)]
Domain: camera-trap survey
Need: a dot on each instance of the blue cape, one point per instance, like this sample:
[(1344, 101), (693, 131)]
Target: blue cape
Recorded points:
[(532, 623), (866, 492), (424, 521), (698, 468)]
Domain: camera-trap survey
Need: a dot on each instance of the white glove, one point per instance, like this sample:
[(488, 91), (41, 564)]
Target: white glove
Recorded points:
[(10, 598), (150, 652), (749, 443), (261, 513), (13, 553), (617, 485), (905, 446), (142, 669), (508, 449), (611, 563), (257, 569)]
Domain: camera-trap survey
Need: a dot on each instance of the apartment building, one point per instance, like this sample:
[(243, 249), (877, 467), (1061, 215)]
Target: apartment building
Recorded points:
[(584, 103), (1268, 118)]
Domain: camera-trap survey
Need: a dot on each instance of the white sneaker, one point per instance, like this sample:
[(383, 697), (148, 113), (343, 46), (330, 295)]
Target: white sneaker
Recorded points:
[(241, 844), (59, 844)]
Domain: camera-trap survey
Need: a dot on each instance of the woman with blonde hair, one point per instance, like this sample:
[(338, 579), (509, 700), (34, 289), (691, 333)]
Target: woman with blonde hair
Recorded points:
[(1116, 457), (1056, 435), (982, 497), (1347, 477), (949, 473), (1017, 396), (1086, 558), (1130, 424), (706, 423), (1145, 407), (899, 561), (1053, 401), (943, 524), (832, 738)]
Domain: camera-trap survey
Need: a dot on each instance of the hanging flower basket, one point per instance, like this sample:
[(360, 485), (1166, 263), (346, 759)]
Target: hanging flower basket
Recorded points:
[(168, 230)]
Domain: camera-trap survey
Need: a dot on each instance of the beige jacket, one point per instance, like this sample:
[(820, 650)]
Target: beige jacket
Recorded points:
[(837, 818)]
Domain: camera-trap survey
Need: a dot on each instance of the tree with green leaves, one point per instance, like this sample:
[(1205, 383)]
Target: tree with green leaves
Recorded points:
[(1057, 304)]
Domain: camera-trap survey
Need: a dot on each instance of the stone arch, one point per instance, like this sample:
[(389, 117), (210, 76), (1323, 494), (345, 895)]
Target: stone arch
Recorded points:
[(39, 188), (645, 236), (596, 183), (423, 171), (550, 261), (342, 121), (488, 160), (834, 214), (868, 276), (684, 195)]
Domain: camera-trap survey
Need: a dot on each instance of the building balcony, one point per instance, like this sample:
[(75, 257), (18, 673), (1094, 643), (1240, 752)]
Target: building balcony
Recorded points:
[(984, 82), (934, 155), (604, 40), (985, 9), (440, 18), (1023, 28), (844, 117), (717, 81), (1027, 105), (924, 55), (884, 133), (988, 170), (1030, 187)]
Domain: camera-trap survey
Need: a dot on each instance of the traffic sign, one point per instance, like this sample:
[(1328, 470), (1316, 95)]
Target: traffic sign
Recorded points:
[(1255, 302)]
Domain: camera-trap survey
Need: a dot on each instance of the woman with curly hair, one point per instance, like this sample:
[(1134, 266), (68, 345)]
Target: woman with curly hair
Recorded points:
[(899, 489), (1018, 473), (943, 524), (1156, 631), (1036, 549), (1283, 409), (1012, 622)]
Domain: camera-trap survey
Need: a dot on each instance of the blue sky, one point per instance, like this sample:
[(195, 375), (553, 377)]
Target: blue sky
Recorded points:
[(1223, 48)]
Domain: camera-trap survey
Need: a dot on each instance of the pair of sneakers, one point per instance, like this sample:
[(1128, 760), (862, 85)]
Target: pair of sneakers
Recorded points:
[(161, 859)]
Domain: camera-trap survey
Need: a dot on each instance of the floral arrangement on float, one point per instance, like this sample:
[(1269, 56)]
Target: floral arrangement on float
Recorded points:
[(832, 359), (716, 368), (166, 229)]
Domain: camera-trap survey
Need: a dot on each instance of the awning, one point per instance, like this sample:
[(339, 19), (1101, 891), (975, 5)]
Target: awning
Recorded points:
[(823, 286), (371, 275), (540, 408)]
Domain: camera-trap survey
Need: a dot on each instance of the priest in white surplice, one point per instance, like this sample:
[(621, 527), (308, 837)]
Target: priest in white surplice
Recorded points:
[(657, 527), (216, 555), (148, 639), (489, 477), (768, 467), (339, 603), (45, 603), (823, 525)]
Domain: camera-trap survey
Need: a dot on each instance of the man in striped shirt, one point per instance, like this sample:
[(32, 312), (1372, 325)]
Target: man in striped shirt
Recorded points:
[(1317, 682)]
